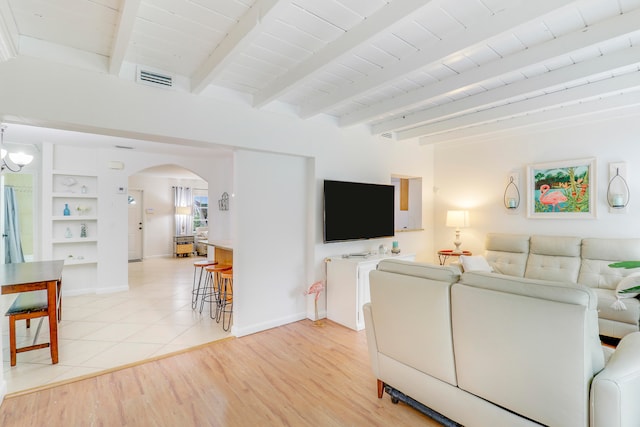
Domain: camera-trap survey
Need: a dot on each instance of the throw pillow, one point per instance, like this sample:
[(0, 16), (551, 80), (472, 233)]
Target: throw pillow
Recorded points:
[(629, 282), (474, 263)]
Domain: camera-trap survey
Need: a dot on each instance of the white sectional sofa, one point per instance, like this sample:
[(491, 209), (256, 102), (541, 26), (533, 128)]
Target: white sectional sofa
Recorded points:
[(487, 349), (576, 260)]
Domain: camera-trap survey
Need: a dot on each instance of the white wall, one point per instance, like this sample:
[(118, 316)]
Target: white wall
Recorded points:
[(474, 176), (270, 240)]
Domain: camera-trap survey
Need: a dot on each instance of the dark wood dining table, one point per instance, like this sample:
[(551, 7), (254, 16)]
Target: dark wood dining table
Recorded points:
[(36, 276)]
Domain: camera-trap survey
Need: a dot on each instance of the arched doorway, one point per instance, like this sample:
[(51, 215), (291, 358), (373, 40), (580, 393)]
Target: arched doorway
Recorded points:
[(151, 225)]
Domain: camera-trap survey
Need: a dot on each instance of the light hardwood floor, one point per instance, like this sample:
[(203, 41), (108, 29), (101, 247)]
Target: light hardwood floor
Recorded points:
[(295, 375)]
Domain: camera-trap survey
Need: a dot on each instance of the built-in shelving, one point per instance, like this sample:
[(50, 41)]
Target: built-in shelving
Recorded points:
[(79, 192)]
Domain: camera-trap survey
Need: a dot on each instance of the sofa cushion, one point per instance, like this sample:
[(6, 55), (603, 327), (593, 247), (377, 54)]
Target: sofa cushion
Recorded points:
[(607, 310), (596, 273), (611, 249), (597, 254), (507, 253), (565, 292), (555, 258), (404, 305), (568, 246), (528, 345), (474, 263), (629, 282), (449, 274)]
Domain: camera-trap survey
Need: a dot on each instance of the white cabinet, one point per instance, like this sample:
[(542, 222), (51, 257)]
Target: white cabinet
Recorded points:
[(348, 287)]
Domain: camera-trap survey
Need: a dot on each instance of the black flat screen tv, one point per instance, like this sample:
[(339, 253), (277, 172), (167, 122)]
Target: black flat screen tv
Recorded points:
[(357, 211)]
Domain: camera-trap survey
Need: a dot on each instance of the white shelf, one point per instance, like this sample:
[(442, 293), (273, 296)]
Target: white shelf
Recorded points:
[(75, 195), (74, 218), (73, 261), (74, 240), (73, 173)]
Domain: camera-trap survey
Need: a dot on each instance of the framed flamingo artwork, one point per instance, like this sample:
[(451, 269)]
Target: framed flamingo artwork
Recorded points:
[(564, 189)]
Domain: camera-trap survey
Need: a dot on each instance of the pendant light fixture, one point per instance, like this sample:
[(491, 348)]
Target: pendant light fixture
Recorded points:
[(19, 160)]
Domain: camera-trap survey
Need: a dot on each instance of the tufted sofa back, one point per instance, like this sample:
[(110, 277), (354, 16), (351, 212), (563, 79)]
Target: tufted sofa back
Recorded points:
[(597, 254), (554, 258), (507, 253)]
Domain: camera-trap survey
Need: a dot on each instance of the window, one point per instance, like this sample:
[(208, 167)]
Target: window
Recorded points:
[(200, 208)]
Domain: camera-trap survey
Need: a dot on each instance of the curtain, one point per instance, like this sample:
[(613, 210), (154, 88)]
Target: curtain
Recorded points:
[(12, 244), (183, 198)]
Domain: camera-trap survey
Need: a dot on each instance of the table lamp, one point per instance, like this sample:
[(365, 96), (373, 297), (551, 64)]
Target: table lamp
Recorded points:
[(457, 219)]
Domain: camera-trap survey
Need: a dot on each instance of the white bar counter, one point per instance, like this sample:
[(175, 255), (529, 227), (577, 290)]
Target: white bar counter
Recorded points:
[(222, 250)]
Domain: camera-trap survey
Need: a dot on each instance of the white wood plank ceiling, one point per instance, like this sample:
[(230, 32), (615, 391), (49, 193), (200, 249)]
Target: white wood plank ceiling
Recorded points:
[(438, 70)]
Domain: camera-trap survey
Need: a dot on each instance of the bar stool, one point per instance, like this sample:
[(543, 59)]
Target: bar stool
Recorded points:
[(211, 293), (226, 298), (195, 290)]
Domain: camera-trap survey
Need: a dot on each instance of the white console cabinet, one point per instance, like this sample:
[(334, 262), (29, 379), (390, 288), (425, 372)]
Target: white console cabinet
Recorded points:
[(348, 287)]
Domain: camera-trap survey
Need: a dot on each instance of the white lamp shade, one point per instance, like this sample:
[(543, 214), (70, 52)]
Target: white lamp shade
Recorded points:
[(20, 159), (183, 210), (458, 219)]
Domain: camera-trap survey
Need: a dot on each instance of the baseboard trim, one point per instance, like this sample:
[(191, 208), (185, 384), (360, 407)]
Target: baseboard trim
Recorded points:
[(3, 390), (259, 327)]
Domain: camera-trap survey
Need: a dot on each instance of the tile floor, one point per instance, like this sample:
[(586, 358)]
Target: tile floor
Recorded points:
[(99, 332)]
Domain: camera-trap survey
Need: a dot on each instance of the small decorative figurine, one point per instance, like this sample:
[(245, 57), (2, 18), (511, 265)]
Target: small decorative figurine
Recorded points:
[(316, 288), (83, 209)]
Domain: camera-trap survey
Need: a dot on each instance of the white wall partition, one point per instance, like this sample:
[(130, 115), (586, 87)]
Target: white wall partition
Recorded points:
[(269, 237)]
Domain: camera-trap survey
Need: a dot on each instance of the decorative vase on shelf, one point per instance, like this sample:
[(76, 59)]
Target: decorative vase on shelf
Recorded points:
[(66, 211), (83, 230), (68, 234)]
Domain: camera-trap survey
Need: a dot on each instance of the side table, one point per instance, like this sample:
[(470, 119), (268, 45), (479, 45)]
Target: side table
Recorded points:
[(444, 254), (183, 245)]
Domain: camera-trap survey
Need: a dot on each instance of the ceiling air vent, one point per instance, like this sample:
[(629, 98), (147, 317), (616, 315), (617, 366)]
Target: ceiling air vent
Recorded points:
[(154, 78), (387, 135)]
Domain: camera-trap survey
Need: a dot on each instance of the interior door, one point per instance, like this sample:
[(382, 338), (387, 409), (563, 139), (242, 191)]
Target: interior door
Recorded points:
[(135, 225)]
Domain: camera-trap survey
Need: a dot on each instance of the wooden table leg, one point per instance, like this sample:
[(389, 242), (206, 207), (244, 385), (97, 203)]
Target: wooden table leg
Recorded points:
[(52, 288)]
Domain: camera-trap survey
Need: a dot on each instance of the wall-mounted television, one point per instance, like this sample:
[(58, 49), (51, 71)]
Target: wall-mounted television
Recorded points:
[(357, 211)]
